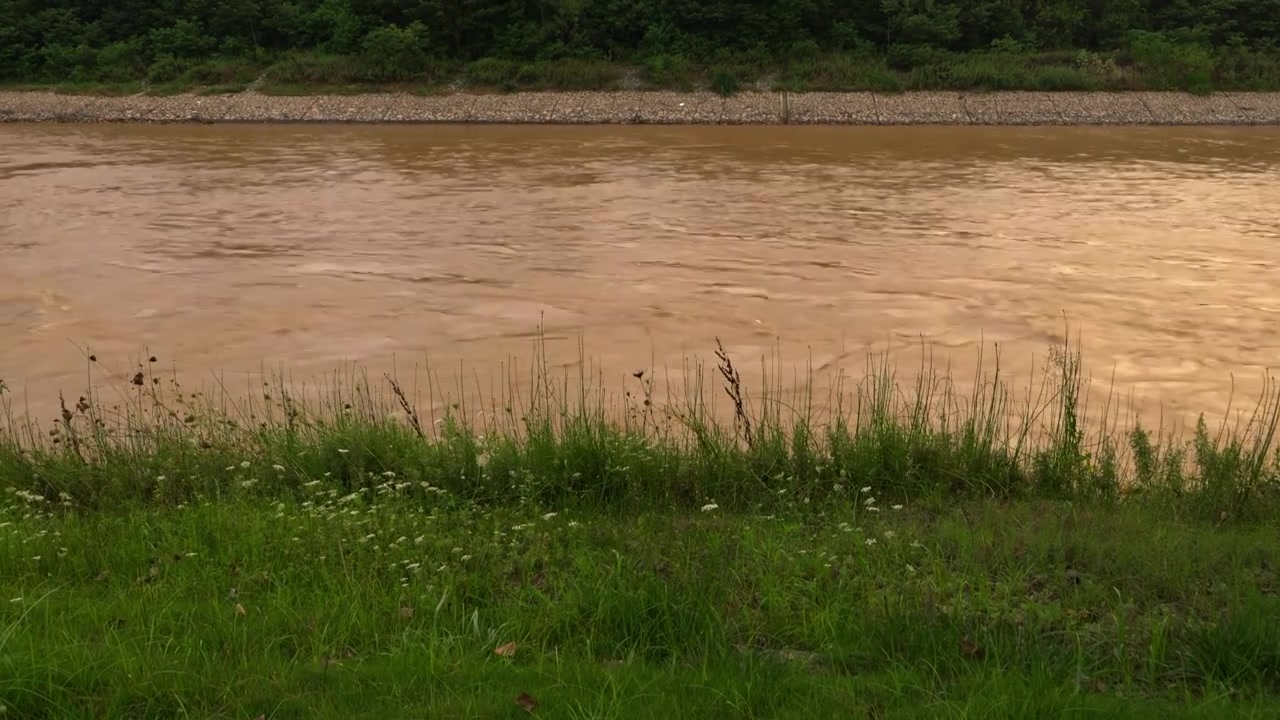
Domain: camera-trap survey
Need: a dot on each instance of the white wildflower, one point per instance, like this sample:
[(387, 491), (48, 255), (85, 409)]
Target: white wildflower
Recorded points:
[(897, 507), (344, 451), (278, 468), (866, 489), (549, 515), (870, 541), (244, 464), (709, 507)]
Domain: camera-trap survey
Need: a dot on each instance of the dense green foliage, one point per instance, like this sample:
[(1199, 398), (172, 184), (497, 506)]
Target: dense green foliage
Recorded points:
[(876, 43)]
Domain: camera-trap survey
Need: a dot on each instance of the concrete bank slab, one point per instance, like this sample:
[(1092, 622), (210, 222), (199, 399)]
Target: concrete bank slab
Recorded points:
[(923, 108), (409, 108), (1169, 108), (48, 107), (832, 108), (189, 108), (79, 108), (1012, 108), (1260, 108), (352, 108), (752, 108), (590, 108), (513, 108), (130, 108), (22, 107), (255, 107), (1096, 108), (676, 108)]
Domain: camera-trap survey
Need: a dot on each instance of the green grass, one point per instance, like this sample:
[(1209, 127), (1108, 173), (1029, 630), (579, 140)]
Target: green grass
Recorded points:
[(699, 549), (1149, 66)]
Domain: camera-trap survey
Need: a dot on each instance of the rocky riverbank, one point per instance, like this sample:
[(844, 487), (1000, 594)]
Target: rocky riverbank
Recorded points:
[(749, 108)]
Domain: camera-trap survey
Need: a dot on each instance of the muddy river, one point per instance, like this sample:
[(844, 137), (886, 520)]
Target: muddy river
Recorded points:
[(233, 249)]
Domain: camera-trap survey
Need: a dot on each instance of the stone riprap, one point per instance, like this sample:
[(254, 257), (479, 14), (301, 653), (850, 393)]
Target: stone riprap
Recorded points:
[(644, 107)]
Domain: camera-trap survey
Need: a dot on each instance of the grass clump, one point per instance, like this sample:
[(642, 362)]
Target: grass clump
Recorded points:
[(706, 548)]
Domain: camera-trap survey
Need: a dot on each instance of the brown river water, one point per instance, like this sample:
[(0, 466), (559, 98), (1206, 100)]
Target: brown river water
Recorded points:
[(230, 249)]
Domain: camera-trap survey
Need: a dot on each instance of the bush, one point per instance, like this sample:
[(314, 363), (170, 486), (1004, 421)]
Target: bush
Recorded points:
[(167, 69), (312, 69), (395, 53), (724, 82), (1247, 69), (668, 71), (843, 72), (580, 74), (222, 71), (183, 40), (1062, 77), (121, 62), (63, 63), (910, 57), (1166, 65), (492, 72)]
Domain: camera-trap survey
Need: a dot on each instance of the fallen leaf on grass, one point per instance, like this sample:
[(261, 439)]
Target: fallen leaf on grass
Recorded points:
[(506, 651), (970, 649), (406, 612), (526, 701), (240, 611)]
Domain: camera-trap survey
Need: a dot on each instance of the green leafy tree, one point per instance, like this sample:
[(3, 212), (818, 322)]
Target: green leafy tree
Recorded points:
[(394, 52), (931, 23)]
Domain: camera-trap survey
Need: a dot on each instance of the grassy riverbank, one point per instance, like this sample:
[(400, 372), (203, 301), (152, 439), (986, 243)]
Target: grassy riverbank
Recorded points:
[(311, 73), (896, 550)]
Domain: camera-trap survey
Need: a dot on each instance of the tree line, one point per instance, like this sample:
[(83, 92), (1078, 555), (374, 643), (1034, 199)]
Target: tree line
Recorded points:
[(121, 40)]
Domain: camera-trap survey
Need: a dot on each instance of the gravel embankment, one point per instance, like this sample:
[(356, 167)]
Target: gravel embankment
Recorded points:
[(752, 108)]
